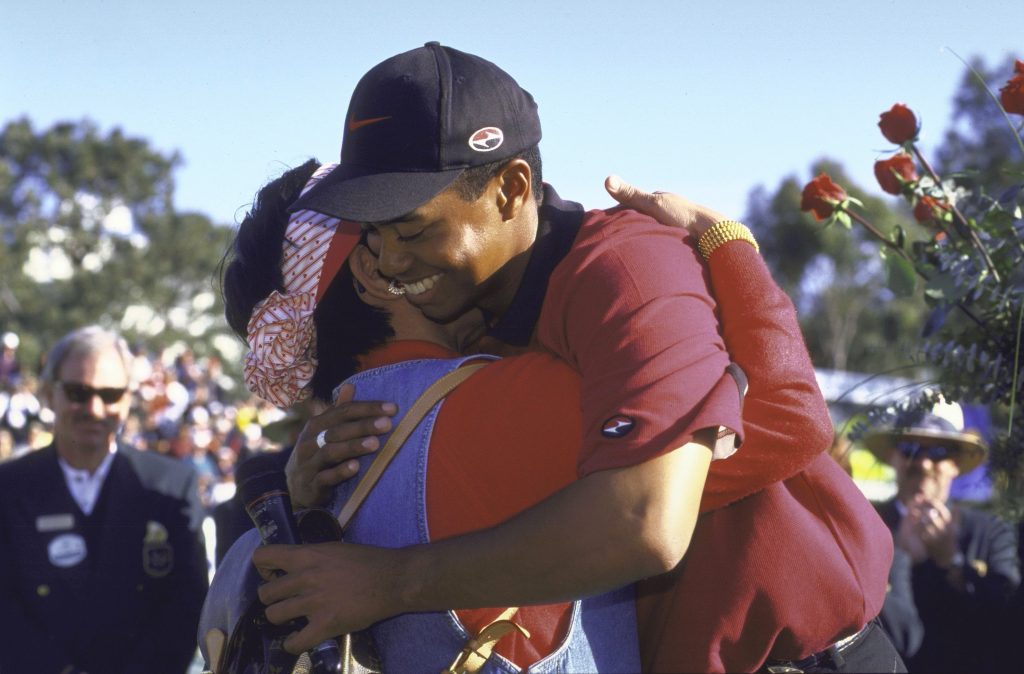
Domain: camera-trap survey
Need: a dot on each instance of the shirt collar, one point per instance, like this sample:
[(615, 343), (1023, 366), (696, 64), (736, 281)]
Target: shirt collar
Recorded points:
[(402, 350), (85, 487), (558, 223)]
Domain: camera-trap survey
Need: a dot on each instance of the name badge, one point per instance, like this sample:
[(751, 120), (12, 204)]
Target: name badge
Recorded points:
[(66, 550), (58, 522)]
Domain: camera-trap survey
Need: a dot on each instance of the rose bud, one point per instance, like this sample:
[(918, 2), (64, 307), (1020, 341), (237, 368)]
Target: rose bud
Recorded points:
[(821, 196), (1012, 93), (926, 207), (899, 124), (895, 172)]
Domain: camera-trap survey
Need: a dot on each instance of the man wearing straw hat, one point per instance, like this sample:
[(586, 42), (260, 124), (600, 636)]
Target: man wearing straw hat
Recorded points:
[(955, 567)]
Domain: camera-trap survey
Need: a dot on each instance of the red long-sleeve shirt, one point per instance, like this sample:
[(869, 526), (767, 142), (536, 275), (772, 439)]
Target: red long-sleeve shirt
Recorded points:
[(799, 559)]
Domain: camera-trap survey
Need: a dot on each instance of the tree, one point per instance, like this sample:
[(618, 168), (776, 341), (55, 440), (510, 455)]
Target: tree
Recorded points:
[(980, 144), (91, 235)]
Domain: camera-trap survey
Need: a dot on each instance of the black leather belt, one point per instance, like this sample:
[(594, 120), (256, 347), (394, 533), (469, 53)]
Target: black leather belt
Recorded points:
[(833, 654)]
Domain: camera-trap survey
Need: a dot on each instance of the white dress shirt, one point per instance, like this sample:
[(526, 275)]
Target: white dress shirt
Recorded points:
[(85, 488)]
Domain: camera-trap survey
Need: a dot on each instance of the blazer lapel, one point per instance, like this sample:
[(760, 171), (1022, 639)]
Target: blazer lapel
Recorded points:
[(121, 523), (53, 502)]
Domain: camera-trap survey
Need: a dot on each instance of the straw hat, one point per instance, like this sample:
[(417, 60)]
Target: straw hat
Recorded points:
[(931, 429)]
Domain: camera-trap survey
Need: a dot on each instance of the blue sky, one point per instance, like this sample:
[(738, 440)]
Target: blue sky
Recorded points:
[(705, 98)]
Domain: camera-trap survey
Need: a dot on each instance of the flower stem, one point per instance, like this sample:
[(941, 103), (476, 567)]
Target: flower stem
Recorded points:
[(885, 240), (874, 231), (1016, 371), (973, 235)]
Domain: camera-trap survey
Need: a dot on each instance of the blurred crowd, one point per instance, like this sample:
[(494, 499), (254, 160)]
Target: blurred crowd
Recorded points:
[(182, 406)]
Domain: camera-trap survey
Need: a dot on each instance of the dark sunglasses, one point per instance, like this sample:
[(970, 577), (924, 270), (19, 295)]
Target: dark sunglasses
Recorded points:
[(80, 393), (934, 452)]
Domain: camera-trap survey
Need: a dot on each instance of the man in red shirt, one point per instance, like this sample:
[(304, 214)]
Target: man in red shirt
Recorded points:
[(450, 253), (598, 289), (525, 409)]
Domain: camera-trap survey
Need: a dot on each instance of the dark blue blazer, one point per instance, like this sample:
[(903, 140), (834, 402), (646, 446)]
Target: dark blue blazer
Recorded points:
[(937, 627), (116, 592)]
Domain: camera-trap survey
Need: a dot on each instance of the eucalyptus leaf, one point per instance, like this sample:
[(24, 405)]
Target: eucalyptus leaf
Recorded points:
[(1010, 195), (936, 319), (946, 288)]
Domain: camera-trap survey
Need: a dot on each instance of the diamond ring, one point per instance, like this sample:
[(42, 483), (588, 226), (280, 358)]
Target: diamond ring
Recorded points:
[(396, 288), (321, 439)]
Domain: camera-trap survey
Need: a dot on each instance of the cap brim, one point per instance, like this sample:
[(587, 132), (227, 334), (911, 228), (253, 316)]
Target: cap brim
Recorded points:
[(970, 449), (361, 194)]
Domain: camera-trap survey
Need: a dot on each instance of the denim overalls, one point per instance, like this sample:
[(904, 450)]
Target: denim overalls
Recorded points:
[(602, 633)]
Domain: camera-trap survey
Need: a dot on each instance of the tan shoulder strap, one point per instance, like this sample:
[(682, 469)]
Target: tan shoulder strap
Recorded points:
[(474, 655), (439, 389)]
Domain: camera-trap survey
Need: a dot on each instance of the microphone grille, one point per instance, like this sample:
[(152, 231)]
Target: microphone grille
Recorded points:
[(261, 474)]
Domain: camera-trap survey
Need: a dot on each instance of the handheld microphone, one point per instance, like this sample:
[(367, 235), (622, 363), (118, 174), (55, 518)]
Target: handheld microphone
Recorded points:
[(264, 491)]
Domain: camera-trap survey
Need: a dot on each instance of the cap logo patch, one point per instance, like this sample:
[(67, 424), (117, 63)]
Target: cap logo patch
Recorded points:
[(487, 139), (618, 426), (354, 123)]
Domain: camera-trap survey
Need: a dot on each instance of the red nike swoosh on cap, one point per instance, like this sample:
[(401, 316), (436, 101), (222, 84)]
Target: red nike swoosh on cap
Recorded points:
[(354, 123)]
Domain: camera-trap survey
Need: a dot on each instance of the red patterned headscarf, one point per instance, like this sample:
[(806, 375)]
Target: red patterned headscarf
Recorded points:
[(282, 338)]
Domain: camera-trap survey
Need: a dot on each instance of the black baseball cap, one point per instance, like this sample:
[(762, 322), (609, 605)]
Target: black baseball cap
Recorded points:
[(417, 121)]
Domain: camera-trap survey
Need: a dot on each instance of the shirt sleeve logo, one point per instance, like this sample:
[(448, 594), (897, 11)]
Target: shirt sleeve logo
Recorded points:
[(618, 426)]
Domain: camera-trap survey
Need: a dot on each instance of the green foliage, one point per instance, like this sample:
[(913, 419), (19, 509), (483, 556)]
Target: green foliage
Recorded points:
[(90, 235), (900, 275)]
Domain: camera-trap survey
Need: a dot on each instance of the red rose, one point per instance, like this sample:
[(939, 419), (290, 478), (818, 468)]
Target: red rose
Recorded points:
[(899, 124), (892, 173), (926, 207), (1012, 93), (821, 196)]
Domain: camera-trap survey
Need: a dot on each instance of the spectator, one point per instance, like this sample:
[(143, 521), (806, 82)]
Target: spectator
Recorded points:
[(6, 444), (103, 566), (955, 568), (23, 407), (38, 436), (10, 370)]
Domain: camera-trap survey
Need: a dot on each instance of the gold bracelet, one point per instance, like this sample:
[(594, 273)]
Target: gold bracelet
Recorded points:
[(723, 232)]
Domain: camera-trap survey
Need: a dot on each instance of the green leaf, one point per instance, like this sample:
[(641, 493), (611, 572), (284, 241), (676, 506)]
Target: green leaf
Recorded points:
[(898, 236), (843, 218), (900, 275)]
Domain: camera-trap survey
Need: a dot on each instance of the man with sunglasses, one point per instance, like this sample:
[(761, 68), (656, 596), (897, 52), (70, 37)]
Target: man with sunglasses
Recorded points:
[(955, 568), (103, 566)]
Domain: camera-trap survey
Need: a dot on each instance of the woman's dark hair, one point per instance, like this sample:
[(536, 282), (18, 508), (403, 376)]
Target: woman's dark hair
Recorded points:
[(251, 269)]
